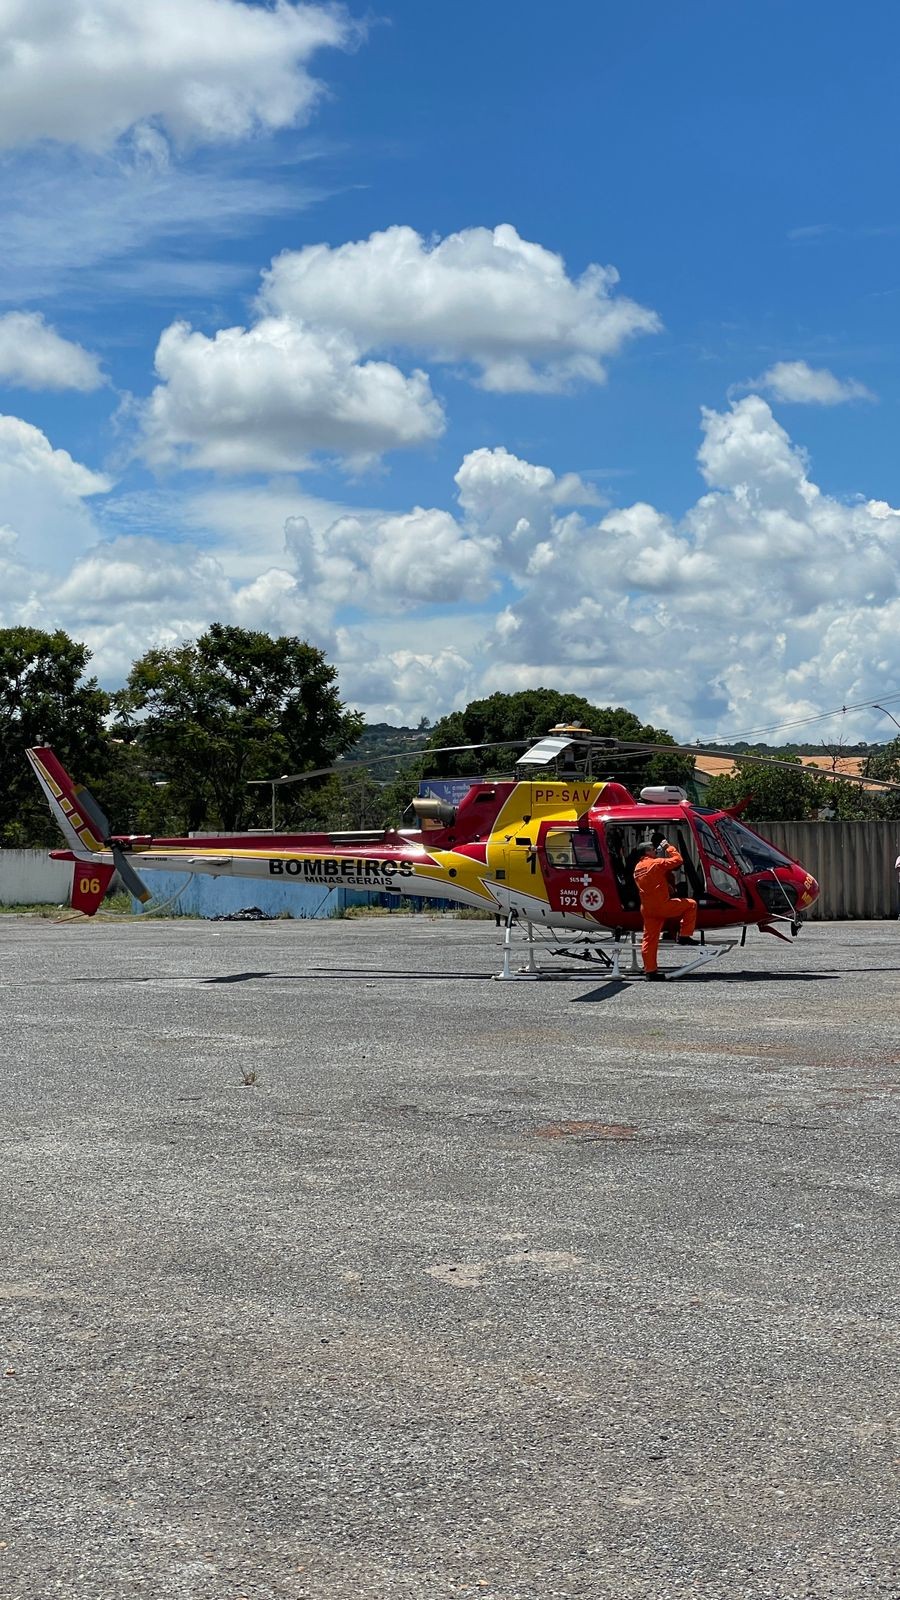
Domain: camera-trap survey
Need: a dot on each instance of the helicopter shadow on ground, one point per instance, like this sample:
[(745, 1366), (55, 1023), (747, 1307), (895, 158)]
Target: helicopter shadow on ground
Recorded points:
[(344, 974), (327, 974), (765, 977), (607, 991), (604, 990)]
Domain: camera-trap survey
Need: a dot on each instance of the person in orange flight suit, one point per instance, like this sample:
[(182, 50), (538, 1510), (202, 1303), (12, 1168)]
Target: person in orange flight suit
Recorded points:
[(652, 875)]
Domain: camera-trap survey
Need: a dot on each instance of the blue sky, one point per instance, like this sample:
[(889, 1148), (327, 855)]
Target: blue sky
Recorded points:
[(447, 446)]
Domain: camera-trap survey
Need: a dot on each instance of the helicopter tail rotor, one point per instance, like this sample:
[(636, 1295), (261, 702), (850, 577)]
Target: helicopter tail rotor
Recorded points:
[(132, 880)]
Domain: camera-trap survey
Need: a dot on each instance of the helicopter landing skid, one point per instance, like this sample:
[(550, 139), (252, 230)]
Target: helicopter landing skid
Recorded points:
[(710, 950), (588, 951)]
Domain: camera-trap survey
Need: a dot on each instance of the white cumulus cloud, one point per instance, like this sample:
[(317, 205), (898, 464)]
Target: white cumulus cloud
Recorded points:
[(86, 71), (403, 683), (127, 593), (43, 493), (482, 296), (422, 557), (312, 375), (269, 397), (26, 453), (796, 382), (767, 599), (34, 356), (144, 576), (513, 504)]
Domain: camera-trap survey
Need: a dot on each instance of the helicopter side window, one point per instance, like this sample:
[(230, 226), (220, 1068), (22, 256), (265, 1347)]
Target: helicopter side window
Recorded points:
[(558, 846), (586, 849), (566, 848)]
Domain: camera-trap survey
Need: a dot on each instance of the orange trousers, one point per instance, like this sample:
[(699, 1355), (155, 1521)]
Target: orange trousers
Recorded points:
[(684, 911)]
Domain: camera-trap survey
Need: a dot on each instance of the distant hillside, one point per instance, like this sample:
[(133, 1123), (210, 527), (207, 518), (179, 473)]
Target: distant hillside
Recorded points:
[(381, 737)]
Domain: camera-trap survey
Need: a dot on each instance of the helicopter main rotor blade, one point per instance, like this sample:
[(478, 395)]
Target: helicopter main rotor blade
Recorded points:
[(637, 747), (389, 755), (601, 743), (762, 761)]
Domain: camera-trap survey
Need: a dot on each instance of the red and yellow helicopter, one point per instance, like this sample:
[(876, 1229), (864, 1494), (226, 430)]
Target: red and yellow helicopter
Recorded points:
[(552, 847)]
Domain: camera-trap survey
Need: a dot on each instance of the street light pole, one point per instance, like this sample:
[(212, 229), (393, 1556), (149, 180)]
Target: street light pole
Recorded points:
[(887, 714)]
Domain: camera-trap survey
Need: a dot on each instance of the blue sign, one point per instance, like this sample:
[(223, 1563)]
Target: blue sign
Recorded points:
[(451, 790)]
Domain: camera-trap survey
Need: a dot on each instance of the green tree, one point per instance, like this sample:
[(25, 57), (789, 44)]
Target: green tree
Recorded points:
[(773, 794), (349, 800), (45, 698), (530, 713), (884, 762), (209, 716)]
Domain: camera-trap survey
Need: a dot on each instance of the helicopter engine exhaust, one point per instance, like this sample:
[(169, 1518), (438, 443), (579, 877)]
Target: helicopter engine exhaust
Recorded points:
[(432, 810)]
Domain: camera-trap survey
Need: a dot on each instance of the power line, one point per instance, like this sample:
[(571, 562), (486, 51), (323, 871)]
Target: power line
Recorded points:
[(802, 722)]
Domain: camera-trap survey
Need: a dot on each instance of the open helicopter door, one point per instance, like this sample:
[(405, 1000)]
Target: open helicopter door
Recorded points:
[(723, 878), (623, 842)]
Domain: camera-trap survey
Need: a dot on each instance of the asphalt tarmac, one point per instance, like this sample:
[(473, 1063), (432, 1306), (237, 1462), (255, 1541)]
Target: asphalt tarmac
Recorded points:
[(516, 1291)]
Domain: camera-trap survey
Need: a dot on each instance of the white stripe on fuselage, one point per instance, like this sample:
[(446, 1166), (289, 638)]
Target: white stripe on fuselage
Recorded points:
[(304, 871)]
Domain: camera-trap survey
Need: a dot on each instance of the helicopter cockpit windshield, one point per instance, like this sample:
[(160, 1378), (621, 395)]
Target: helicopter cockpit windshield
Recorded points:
[(751, 853)]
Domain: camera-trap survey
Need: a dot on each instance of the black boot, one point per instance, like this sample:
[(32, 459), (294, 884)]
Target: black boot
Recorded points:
[(655, 977), (683, 940)]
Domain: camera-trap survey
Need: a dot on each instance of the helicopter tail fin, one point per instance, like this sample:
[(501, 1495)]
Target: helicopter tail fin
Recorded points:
[(86, 832), (80, 820)]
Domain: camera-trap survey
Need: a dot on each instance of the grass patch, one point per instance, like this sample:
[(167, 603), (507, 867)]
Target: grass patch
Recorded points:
[(353, 913), (42, 909), (117, 905), (117, 902)]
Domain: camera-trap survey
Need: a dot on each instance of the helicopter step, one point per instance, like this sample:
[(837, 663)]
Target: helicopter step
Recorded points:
[(710, 950), (588, 950)]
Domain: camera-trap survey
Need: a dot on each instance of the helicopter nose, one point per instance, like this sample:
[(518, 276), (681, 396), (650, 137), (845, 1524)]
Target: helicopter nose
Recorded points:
[(809, 890)]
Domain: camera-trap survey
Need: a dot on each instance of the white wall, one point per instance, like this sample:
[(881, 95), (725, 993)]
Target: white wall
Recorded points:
[(29, 877)]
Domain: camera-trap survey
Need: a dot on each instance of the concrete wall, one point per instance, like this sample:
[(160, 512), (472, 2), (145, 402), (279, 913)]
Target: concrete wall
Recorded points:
[(29, 877), (853, 863), (202, 896)]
